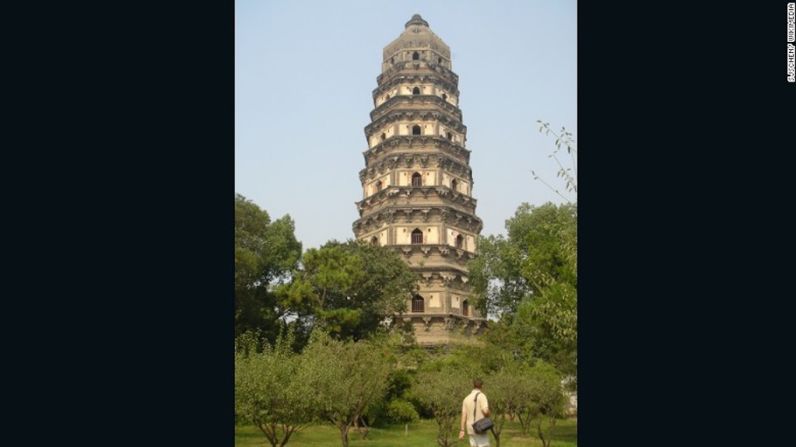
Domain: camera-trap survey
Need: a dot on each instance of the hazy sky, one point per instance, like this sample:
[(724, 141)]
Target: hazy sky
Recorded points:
[(305, 71)]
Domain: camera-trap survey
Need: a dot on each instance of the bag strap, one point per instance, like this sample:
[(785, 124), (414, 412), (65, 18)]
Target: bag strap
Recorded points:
[(475, 405)]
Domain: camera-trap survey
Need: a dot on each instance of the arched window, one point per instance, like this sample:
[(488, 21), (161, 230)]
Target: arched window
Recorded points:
[(416, 91), (450, 136), (444, 96), (465, 308), (416, 130), (392, 60), (378, 185), (440, 60), (383, 136), (418, 304), (454, 184), (417, 236), (417, 179), (374, 240), (387, 98), (460, 241), (415, 56)]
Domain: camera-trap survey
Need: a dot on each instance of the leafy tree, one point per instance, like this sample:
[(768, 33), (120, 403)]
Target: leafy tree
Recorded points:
[(442, 389), (547, 401), (509, 392), (265, 253), (268, 390), (550, 322), (349, 289), (392, 408), (347, 378), (529, 279), (402, 412)]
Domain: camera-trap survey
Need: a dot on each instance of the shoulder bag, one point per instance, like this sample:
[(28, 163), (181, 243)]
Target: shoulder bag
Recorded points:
[(482, 425)]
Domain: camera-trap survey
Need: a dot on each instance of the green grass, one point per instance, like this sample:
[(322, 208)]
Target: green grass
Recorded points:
[(421, 434)]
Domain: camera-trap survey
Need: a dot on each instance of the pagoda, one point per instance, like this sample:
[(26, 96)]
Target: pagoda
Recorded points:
[(417, 183)]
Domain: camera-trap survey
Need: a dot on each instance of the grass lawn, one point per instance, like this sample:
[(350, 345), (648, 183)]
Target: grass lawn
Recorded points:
[(421, 434)]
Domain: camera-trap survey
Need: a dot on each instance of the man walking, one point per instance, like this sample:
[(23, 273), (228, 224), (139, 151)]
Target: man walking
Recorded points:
[(474, 407)]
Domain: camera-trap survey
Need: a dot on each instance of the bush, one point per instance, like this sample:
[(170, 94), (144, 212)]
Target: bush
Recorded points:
[(401, 411)]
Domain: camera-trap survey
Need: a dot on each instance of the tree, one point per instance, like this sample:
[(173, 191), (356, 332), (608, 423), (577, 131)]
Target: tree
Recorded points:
[(265, 253), (268, 389), (402, 412), (547, 401), (347, 378), (529, 279), (349, 289), (442, 390), (509, 392)]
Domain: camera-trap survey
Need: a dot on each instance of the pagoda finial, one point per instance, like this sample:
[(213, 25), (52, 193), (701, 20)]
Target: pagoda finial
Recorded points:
[(416, 20)]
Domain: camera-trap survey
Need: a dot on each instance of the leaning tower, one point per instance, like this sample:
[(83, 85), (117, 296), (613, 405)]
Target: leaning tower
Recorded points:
[(417, 182)]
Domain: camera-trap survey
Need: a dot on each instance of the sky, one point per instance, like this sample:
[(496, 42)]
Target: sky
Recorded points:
[(305, 71)]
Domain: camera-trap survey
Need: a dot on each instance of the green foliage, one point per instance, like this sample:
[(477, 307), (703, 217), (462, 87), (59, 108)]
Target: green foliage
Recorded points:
[(546, 401), (349, 289), (565, 142), (346, 377), (401, 411), (441, 388), (529, 279), (268, 390), (549, 409), (550, 321), (399, 382), (265, 253), (509, 392)]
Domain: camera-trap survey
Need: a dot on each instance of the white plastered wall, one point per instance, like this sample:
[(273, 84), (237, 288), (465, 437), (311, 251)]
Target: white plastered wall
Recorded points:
[(455, 136), (388, 130), (462, 186), (381, 99), (426, 128), (403, 235), (371, 187), (380, 234), (429, 177), (469, 240)]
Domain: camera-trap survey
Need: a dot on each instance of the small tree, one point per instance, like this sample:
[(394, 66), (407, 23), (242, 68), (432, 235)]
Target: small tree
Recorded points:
[(546, 404), (268, 392), (509, 392), (442, 391), (346, 377), (403, 412)]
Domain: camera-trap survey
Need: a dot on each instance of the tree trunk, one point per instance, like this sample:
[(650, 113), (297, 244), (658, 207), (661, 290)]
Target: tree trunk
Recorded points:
[(545, 443), (271, 436), (525, 422), (344, 436), (289, 430), (362, 427)]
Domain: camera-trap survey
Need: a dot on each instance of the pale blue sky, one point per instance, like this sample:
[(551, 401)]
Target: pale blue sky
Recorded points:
[(305, 70)]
